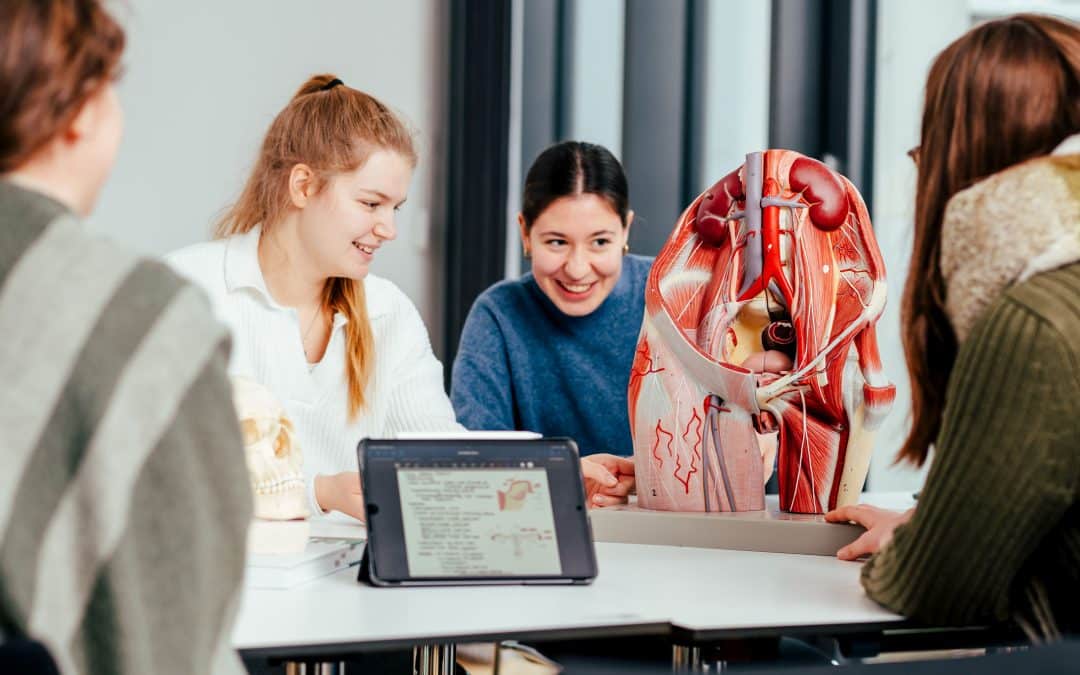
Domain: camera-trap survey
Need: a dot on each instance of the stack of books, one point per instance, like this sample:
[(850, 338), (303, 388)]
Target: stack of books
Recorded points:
[(319, 558), (284, 554)]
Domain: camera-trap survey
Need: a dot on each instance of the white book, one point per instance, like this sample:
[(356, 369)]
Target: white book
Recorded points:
[(334, 528), (319, 558), (277, 537)]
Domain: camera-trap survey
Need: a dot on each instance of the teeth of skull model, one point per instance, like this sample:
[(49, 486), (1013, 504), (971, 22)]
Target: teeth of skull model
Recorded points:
[(758, 343), (274, 459)]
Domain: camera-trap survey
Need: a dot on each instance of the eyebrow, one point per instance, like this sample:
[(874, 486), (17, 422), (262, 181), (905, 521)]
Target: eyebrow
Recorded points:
[(383, 196), (556, 233)]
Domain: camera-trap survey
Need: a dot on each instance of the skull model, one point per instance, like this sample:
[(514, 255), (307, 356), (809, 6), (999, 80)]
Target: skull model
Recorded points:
[(274, 459), (758, 340)]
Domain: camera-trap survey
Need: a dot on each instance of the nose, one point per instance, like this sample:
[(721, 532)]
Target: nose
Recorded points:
[(577, 264), (385, 228)]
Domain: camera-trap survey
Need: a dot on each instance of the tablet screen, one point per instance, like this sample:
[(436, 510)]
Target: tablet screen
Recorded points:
[(458, 510), (478, 522)]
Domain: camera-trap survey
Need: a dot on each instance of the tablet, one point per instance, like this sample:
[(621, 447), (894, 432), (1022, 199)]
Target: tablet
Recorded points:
[(475, 512)]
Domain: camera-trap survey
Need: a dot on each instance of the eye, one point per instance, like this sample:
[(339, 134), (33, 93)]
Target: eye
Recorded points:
[(601, 242), (555, 242), (370, 205)]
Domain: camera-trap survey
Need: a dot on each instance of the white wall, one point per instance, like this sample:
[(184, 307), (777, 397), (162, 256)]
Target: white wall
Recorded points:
[(596, 94), (736, 85), (907, 43), (736, 80), (204, 79)]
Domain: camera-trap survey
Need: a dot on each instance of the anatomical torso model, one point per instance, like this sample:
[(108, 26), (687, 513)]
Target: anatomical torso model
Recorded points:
[(758, 345)]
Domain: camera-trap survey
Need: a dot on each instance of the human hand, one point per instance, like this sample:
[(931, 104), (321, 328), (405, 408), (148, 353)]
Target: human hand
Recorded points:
[(608, 479), (341, 492), (879, 524)]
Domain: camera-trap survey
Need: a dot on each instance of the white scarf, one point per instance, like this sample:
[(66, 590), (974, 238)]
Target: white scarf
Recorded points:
[(1007, 228)]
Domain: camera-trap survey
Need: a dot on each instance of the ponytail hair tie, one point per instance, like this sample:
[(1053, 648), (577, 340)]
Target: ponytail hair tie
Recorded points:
[(331, 84)]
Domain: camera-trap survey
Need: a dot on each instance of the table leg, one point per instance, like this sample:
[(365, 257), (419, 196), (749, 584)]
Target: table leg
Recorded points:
[(325, 668), (685, 659), (434, 659)]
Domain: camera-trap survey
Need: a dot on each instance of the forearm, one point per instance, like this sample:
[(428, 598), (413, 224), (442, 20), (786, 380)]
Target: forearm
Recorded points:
[(318, 499)]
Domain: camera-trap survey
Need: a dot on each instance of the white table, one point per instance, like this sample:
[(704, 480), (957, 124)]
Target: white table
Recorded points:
[(336, 613), (743, 593), (640, 590), (692, 593)]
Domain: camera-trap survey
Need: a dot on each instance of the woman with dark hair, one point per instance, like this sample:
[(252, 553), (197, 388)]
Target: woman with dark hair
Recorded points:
[(991, 316), (551, 352)]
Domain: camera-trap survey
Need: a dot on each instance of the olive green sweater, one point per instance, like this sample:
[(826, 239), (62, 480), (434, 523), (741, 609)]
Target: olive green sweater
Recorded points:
[(996, 534)]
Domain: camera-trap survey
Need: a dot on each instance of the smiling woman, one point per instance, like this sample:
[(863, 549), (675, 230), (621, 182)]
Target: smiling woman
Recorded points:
[(551, 352), (345, 351), (576, 247)]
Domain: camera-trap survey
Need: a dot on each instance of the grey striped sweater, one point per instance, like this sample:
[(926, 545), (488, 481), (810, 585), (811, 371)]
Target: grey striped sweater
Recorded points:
[(123, 492)]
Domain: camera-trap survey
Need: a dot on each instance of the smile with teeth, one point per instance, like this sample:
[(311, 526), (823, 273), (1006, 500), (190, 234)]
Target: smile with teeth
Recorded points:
[(576, 288), (366, 249)]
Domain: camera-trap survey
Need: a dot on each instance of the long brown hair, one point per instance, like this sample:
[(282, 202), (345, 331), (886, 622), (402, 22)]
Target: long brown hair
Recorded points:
[(1004, 92), (53, 57), (333, 129)]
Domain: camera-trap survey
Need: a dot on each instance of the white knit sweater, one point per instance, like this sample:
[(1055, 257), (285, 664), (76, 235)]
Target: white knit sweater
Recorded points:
[(405, 393)]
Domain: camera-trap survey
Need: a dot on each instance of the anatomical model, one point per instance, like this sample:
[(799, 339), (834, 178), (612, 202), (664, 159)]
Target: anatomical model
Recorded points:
[(274, 459), (758, 344)]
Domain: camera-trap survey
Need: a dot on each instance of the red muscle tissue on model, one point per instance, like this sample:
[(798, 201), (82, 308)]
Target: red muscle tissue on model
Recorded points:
[(758, 345)]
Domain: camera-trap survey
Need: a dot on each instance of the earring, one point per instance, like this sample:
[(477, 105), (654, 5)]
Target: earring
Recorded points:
[(524, 251), (626, 248)]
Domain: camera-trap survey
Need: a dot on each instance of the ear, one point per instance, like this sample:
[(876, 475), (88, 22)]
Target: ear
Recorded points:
[(301, 185), (629, 222), (523, 231), (85, 121)]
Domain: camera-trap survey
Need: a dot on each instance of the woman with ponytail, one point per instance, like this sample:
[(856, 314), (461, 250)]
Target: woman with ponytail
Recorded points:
[(345, 351)]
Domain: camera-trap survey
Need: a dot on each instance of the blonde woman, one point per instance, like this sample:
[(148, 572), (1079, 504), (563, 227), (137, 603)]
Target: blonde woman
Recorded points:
[(345, 351)]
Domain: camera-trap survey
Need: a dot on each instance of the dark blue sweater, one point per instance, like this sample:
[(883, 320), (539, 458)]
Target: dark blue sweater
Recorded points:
[(523, 364)]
